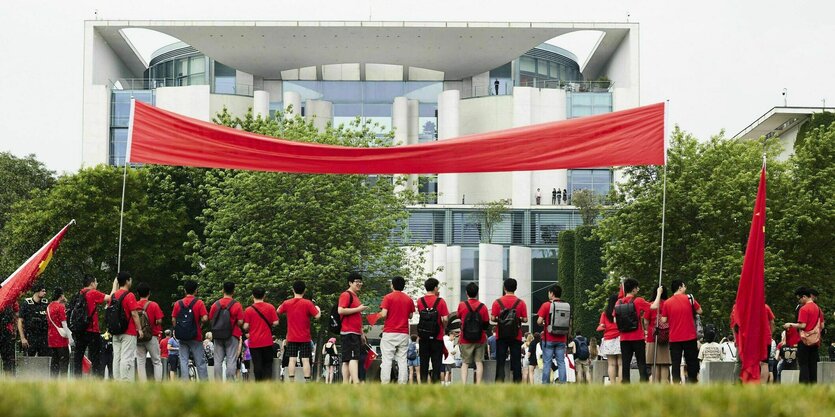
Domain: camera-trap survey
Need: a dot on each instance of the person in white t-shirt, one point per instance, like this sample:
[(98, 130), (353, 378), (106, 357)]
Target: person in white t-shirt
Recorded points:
[(710, 350), (728, 349), (451, 345)]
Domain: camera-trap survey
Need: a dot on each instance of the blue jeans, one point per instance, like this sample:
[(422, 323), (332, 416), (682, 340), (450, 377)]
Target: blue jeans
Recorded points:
[(550, 351), (193, 348)]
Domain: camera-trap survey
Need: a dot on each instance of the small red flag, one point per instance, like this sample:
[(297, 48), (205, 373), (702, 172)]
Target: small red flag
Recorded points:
[(753, 338), (369, 358), (19, 281), (372, 318)]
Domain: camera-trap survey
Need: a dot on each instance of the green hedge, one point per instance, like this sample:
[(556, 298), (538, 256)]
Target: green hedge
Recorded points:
[(588, 272), (565, 264), (108, 399)]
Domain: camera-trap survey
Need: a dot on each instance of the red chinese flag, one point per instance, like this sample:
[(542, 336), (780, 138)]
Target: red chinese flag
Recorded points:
[(753, 338), (369, 358), (372, 318), (21, 280)]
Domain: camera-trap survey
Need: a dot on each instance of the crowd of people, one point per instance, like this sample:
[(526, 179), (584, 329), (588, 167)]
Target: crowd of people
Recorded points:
[(663, 338)]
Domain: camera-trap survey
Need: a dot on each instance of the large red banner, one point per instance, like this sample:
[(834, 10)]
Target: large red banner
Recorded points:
[(628, 137)]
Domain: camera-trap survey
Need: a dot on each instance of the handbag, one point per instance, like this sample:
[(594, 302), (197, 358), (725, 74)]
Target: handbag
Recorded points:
[(61, 331), (812, 337), (697, 320), (662, 333)]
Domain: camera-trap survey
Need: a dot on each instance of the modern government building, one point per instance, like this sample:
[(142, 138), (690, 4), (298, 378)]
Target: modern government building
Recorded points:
[(427, 80)]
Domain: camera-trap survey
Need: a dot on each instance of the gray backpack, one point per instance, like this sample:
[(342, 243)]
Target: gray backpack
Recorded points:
[(559, 319)]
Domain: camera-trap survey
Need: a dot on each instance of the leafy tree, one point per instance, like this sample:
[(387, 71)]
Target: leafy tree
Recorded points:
[(588, 273), (491, 214), (588, 203), (20, 176), (154, 231)]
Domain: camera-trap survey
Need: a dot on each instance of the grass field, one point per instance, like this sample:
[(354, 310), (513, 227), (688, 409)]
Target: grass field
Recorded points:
[(83, 399)]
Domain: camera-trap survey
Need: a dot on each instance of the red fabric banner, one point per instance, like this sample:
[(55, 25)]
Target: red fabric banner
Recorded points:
[(19, 281), (628, 137), (753, 340)]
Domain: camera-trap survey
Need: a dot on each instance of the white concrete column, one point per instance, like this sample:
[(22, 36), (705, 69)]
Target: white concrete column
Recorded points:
[(520, 270), (261, 104), (320, 112), (400, 125), (490, 274), (524, 103), (294, 99), (448, 127), (412, 138), (439, 268), (453, 274)]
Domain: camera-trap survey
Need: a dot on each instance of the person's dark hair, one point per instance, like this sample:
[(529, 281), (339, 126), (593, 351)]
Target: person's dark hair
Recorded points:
[(610, 306), (190, 286), (88, 279), (676, 284), (123, 278), (143, 290), (803, 292), (710, 335), (299, 287), (353, 276), (229, 288), (431, 284), (38, 288), (629, 285), (537, 337), (577, 333), (813, 292), (556, 290), (57, 293), (472, 290), (258, 293), (510, 285), (664, 292), (398, 283)]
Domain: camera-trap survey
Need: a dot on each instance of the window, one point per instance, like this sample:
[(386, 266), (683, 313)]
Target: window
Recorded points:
[(588, 104), (542, 67), (527, 64), (597, 180), (224, 79)]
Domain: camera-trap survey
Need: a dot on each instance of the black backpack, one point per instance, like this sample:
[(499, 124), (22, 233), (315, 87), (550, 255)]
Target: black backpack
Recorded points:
[(79, 320), (428, 326), (335, 322), (185, 327), (115, 317), (473, 328), (626, 316), (508, 322), (222, 324), (581, 348)]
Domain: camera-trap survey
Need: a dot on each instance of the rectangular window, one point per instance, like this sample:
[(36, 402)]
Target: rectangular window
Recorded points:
[(527, 64), (597, 180), (555, 70), (542, 67)]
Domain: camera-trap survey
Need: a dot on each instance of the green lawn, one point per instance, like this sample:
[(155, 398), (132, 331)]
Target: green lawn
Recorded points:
[(82, 399)]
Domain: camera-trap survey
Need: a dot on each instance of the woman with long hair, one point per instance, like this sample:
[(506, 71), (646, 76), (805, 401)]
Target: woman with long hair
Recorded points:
[(610, 348), (331, 354), (533, 357), (659, 361)]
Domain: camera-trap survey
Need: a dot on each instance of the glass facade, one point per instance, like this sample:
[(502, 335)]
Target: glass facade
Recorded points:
[(119, 120), (598, 180), (547, 67), (588, 104)]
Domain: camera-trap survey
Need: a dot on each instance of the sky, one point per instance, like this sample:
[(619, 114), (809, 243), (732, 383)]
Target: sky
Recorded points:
[(721, 64)]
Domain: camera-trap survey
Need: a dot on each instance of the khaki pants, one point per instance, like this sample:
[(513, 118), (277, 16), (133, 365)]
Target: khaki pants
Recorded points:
[(142, 351), (393, 347), (583, 369), (124, 357)]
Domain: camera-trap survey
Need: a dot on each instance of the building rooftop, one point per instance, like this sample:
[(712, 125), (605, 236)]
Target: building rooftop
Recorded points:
[(777, 120), (458, 49)]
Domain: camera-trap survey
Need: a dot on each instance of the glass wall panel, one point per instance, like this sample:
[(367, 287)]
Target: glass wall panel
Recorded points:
[(597, 180), (527, 64)]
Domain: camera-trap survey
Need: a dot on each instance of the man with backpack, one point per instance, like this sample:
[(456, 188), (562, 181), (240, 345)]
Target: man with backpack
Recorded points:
[(299, 311), (473, 340), (582, 359), (122, 317), (349, 314), (188, 315), (227, 317), (632, 318), (84, 324), (509, 312), (396, 309), (555, 316), (32, 324), (680, 312), (433, 313), (259, 320), (150, 317)]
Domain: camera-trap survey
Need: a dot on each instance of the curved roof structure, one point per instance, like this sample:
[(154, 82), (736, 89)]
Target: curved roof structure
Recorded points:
[(459, 49)]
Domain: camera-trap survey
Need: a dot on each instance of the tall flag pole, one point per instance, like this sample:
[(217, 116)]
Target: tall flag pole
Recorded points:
[(753, 338), (20, 280)]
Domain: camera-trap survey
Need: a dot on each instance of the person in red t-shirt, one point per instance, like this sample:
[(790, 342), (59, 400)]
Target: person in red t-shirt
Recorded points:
[(553, 346), (472, 351), (299, 311), (679, 311), (397, 309), (610, 348), (226, 349), (431, 348), (350, 309), (124, 344), (633, 342), (194, 309), (809, 319), (58, 334), (163, 345), (259, 320), (658, 354), (509, 341), (154, 313), (90, 340)]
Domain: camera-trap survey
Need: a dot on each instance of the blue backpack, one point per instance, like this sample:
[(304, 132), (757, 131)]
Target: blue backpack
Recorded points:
[(581, 348), (411, 352)]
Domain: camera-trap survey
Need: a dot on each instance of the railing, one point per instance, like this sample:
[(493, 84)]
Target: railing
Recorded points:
[(231, 88), (573, 86)]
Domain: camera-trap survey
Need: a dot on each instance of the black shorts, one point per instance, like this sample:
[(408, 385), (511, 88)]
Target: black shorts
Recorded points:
[(351, 347), (173, 362), (302, 349)]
